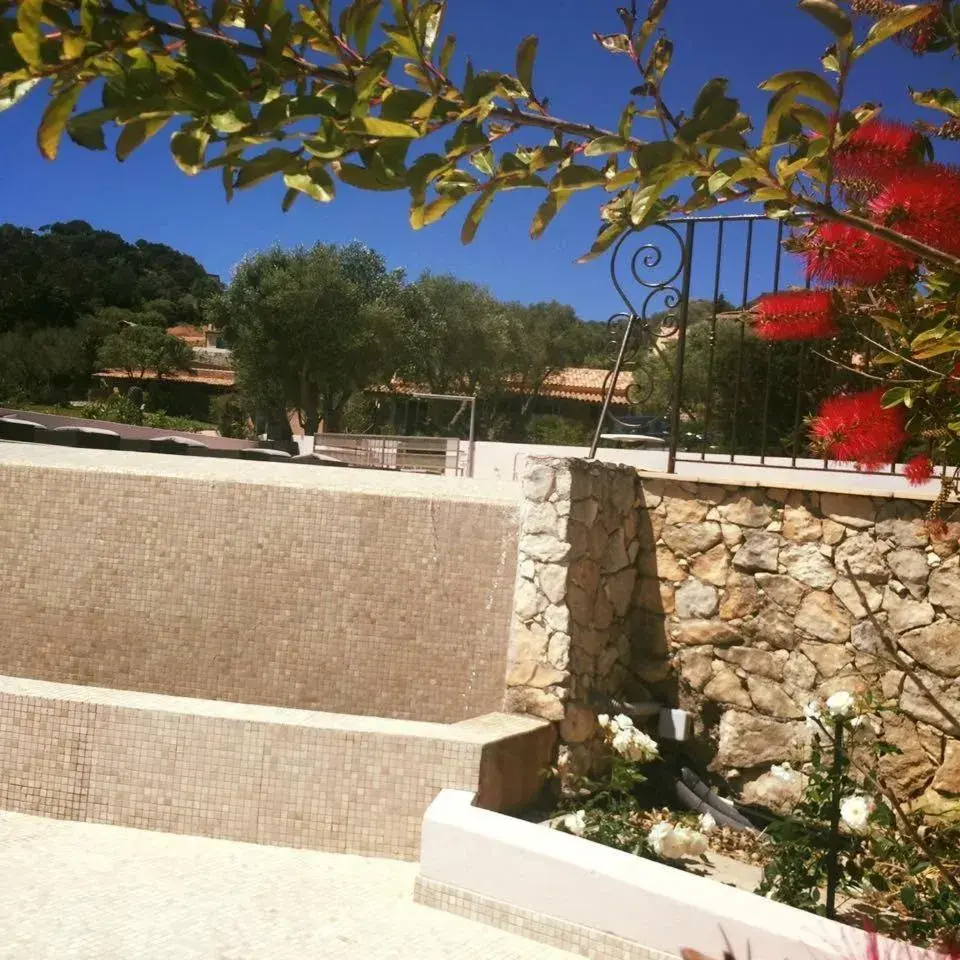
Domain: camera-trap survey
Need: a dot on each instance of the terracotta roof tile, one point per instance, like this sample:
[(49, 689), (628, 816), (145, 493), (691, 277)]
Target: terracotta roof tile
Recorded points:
[(586, 384), (207, 376)]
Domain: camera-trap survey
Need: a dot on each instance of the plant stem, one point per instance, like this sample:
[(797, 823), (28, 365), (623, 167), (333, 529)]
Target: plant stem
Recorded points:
[(833, 851)]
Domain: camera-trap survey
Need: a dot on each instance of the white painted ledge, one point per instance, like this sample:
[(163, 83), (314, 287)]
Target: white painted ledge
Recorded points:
[(659, 908)]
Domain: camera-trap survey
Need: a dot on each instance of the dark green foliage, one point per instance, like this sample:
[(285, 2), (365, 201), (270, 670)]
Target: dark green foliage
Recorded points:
[(553, 429), (139, 350), (67, 289), (230, 417), (54, 276)]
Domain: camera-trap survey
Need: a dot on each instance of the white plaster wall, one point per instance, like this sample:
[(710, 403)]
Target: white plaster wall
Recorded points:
[(656, 906)]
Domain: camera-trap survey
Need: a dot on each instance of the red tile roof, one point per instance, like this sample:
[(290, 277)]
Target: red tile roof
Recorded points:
[(207, 376), (586, 384)]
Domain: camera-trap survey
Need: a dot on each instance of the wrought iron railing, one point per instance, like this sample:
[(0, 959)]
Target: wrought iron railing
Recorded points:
[(744, 400)]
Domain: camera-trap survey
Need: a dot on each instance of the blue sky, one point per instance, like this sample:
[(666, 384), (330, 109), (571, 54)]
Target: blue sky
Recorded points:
[(147, 196)]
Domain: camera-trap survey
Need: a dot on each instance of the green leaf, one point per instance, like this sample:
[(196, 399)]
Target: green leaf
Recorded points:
[(546, 212), (605, 239), (363, 21), (832, 17), (373, 72), (894, 397), (366, 179), (652, 156), (19, 91), (29, 16), (400, 41), (376, 127), (188, 147), (136, 132), (468, 136), (314, 181), (892, 24), (279, 38), (446, 53), (89, 10), (475, 216), (526, 56), (483, 160), (263, 166), (216, 61), (54, 119), (605, 145), (807, 84), (289, 198), (577, 178), (423, 216), (938, 99)]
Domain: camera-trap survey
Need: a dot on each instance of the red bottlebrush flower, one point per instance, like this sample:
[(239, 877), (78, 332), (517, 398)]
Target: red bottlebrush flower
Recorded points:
[(918, 470), (919, 37), (877, 150), (795, 315), (857, 428), (923, 203), (953, 381), (837, 253)]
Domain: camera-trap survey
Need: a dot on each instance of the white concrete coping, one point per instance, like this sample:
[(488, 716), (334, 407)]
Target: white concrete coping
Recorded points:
[(480, 730), (381, 483), (661, 908)]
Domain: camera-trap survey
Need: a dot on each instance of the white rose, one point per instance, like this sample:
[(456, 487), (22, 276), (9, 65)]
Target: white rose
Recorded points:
[(575, 823), (812, 713), (841, 704), (855, 811), (658, 836), (707, 824), (634, 745), (689, 842), (604, 720), (623, 722)]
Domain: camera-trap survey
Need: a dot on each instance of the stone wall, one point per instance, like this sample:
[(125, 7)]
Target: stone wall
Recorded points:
[(752, 591), (580, 549)]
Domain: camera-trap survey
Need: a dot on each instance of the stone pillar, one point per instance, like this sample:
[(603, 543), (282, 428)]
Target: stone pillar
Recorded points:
[(571, 646)]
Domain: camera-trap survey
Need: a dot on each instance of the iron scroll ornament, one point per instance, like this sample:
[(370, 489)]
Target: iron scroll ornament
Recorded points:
[(635, 333)]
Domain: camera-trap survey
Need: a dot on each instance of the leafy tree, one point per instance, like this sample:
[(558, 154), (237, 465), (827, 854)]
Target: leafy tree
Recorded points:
[(311, 327), (139, 350)]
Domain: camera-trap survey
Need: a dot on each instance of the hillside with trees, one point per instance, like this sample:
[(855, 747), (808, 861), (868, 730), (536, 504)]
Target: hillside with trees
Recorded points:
[(68, 292)]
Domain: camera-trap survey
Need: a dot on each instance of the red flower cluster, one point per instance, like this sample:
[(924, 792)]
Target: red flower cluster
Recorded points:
[(795, 315), (919, 37), (918, 470), (857, 428), (876, 150), (838, 253), (923, 203)]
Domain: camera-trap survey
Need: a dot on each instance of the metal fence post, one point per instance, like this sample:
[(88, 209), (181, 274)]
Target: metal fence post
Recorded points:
[(681, 349)]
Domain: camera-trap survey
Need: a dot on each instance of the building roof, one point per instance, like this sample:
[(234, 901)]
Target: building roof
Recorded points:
[(194, 336), (206, 376), (586, 384)]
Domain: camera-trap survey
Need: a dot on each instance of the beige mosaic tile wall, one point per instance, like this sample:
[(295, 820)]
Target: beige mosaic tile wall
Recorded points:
[(771, 598), (290, 586), (258, 774)]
